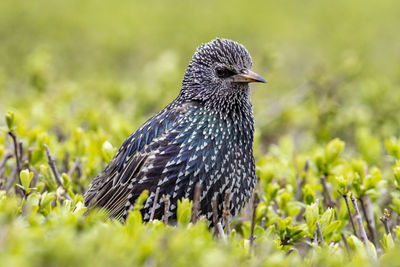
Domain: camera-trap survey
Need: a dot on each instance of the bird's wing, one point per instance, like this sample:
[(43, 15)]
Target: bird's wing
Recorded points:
[(139, 162)]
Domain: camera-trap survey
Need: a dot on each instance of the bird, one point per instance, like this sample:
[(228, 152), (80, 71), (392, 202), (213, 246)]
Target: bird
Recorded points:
[(204, 136)]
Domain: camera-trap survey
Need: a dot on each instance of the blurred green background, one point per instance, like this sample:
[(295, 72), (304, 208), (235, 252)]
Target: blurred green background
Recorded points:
[(81, 75), (106, 66)]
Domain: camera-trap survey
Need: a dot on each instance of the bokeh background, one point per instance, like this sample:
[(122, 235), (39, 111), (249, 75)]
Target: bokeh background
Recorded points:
[(106, 66)]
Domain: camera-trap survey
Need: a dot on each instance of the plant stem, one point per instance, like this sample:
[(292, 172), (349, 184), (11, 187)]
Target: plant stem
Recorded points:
[(28, 159), (57, 176), (14, 138), (363, 234), (327, 198), (315, 237), (196, 202), (346, 244), (370, 223), (153, 209), (65, 162), (346, 199), (300, 180), (166, 208), (256, 200), (75, 167), (215, 214), (385, 220), (221, 231), (53, 167), (7, 155), (21, 153), (11, 178), (227, 212), (321, 237)]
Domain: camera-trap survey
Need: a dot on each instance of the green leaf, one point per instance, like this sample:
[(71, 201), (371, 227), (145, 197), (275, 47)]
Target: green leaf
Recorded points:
[(333, 150), (107, 151), (396, 173), (141, 199), (184, 211), (308, 194), (281, 225), (331, 227), (261, 210), (47, 177), (10, 120), (371, 180), (387, 242), (311, 217), (342, 184), (327, 217), (80, 209), (393, 147), (26, 178)]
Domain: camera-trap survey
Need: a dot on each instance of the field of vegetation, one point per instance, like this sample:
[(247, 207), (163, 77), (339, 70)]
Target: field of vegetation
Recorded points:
[(77, 77)]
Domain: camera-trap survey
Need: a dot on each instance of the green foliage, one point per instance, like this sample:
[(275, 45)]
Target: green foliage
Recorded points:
[(10, 117), (108, 151), (80, 76), (333, 150), (26, 178), (308, 194), (184, 212)]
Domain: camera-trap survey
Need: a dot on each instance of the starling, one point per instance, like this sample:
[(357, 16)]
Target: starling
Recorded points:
[(204, 136)]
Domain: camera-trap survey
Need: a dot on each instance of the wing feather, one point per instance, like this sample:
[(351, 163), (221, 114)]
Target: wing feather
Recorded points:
[(138, 163)]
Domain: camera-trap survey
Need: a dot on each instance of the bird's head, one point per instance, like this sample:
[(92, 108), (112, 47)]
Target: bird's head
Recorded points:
[(219, 74)]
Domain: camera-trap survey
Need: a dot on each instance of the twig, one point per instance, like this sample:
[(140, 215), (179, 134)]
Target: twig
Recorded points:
[(57, 176), (153, 209), (363, 234), (256, 200), (35, 178), (263, 222), (11, 179), (370, 223), (14, 138), (215, 214), (196, 202), (290, 250), (65, 162), (74, 167), (246, 211), (321, 237), (226, 214), (221, 231), (346, 199), (21, 152), (385, 220), (327, 198), (53, 167), (166, 208), (7, 155), (315, 237), (78, 168), (346, 244), (28, 159), (300, 180)]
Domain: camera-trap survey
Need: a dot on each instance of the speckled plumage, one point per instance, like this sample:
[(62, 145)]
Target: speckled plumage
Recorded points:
[(205, 135)]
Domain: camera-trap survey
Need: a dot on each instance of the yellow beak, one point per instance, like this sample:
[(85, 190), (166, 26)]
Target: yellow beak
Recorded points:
[(248, 76)]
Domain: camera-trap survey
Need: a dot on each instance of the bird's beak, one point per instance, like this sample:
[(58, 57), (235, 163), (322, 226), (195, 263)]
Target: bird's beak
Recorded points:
[(248, 76)]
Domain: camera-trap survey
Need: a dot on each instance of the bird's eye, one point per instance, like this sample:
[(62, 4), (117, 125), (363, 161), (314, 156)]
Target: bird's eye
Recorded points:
[(223, 72)]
